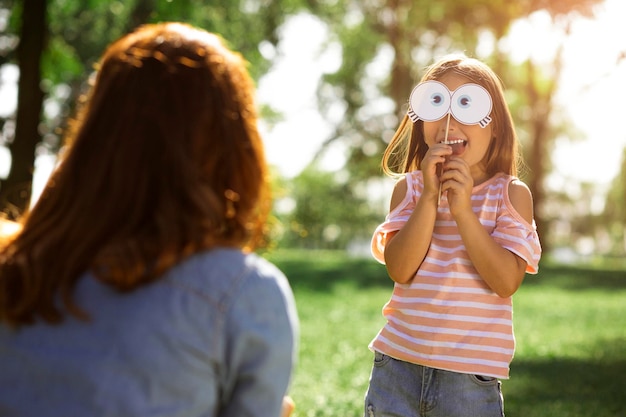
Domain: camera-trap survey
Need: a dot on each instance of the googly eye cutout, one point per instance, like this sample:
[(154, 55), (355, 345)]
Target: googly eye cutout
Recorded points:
[(471, 104), (429, 101)]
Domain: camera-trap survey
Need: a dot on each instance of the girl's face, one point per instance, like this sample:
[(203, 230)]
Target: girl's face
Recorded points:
[(470, 142)]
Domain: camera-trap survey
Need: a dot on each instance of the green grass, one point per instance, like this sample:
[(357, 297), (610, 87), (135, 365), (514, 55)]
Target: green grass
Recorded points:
[(570, 326)]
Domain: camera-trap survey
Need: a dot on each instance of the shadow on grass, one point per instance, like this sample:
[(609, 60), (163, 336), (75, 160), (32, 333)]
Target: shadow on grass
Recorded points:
[(579, 278), (322, 271), (558, 387)]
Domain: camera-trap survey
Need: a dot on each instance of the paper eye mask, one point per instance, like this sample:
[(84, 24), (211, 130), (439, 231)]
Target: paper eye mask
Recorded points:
[(431, 100)]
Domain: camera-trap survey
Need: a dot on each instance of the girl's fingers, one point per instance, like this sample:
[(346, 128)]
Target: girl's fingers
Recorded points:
[(456, 169), (456, 177)]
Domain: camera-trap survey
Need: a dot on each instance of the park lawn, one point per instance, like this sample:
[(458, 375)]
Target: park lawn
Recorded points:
[(570, 326)]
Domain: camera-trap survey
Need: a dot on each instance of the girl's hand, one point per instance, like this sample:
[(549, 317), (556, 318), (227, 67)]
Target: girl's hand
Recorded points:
[(458, 183), (431, 165)]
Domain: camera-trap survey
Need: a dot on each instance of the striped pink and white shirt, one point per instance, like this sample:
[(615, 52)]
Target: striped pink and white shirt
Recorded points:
[(447, 317)]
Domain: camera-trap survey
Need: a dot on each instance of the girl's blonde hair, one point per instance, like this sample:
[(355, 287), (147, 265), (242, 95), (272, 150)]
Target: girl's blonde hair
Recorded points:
[(408, 147)]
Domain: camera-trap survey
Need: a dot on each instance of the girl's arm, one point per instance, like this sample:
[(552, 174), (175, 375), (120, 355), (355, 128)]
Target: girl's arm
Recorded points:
[(489, 258), (406, 249)]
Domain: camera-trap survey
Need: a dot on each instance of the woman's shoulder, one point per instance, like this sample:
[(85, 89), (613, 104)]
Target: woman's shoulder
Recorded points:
[(246, 285), (223, 272)]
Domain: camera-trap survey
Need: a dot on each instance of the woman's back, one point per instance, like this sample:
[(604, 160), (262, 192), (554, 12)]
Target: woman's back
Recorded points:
[(182, 346)]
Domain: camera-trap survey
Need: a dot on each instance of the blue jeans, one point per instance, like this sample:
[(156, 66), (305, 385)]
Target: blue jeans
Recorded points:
[(402, 389)]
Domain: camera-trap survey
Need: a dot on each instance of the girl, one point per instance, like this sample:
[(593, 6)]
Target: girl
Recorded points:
[(457, 241), (131, 289)]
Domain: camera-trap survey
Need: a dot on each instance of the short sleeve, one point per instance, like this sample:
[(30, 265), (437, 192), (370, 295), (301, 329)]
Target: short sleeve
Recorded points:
[(515, 234), (263, 332), (396, 219)]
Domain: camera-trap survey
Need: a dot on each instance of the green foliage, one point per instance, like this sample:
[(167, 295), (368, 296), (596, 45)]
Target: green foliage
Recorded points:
[(79, 31), (327, 213), (413, 31), (61, 63), (614, 214), (419, 31), (244, 24), (94, 25), (571, 341)]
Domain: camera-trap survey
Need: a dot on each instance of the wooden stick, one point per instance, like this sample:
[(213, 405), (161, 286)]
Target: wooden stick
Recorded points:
[(445, 141)]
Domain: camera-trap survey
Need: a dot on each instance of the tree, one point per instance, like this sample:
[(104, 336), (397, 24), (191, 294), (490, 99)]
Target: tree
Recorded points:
[(16, 190), (64, 62), (535, 111), (325, 212), (412, 33), (402, 36)]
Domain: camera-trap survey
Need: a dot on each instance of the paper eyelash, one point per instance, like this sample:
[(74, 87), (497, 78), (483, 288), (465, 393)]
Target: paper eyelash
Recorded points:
[(484, 122), (469, 104), (414, 117)]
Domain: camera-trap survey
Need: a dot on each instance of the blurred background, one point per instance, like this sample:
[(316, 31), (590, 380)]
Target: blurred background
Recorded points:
[(333, 80)]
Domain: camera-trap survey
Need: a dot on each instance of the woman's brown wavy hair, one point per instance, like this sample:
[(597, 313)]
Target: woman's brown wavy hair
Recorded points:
[(164, 160), (407, 148)]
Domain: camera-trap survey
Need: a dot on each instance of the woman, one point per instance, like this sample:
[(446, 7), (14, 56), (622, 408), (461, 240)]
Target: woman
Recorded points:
[(131, 289)]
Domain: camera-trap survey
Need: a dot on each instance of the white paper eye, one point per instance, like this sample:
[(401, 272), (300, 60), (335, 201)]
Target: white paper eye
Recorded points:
[(429, 101), (470, 104)]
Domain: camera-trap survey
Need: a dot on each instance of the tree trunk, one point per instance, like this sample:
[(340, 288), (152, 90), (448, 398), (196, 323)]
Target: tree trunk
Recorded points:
[(541, 100), (537, 164), (16, 190), (140, 13)]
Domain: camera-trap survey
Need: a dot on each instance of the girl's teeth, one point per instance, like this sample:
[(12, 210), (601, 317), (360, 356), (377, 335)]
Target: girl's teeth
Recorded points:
[(457, 147)]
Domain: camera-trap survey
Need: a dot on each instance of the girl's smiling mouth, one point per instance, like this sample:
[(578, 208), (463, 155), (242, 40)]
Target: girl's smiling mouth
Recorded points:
[(457, 145)]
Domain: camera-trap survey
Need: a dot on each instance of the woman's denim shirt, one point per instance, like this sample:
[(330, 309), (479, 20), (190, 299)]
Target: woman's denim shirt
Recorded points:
[(215, 337)]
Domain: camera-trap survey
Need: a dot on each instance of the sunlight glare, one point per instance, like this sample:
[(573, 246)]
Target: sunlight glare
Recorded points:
[(594, 71)]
